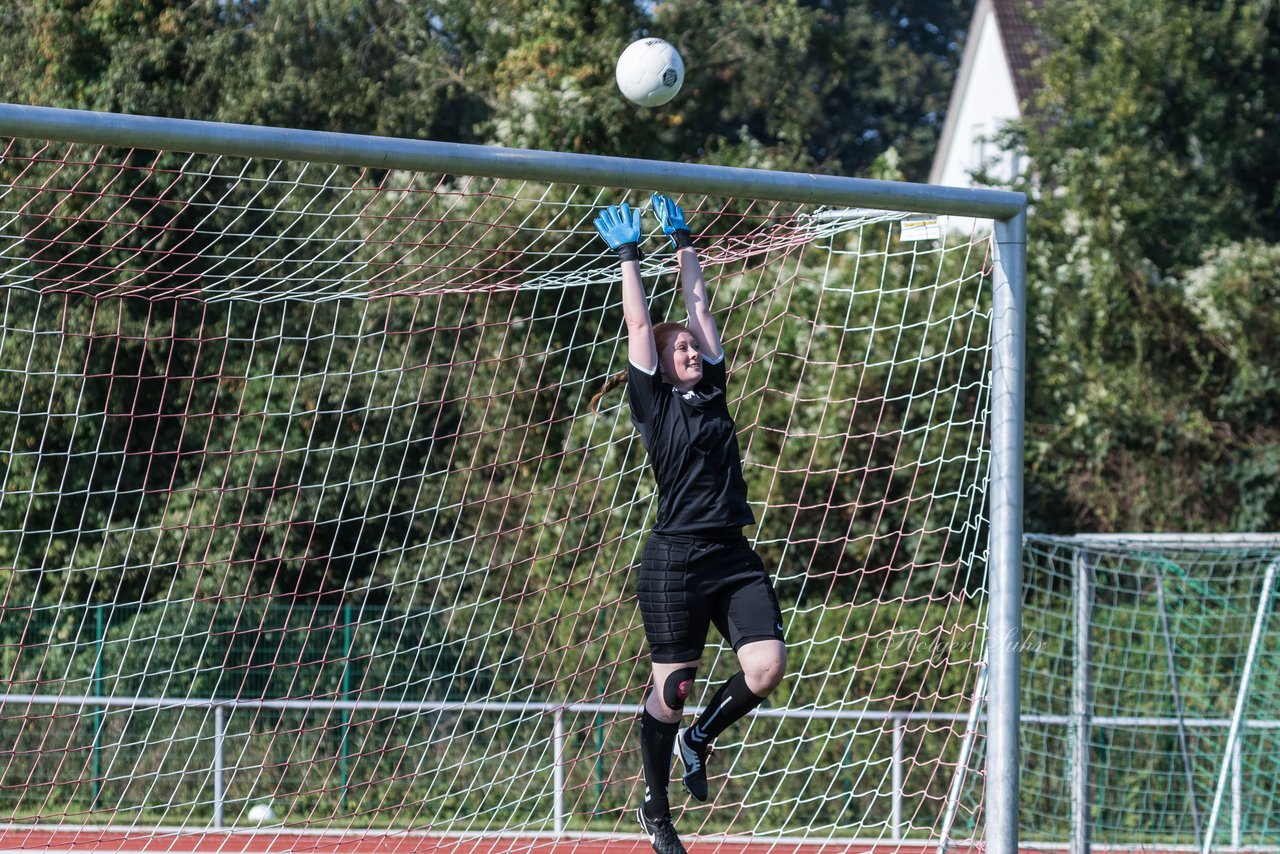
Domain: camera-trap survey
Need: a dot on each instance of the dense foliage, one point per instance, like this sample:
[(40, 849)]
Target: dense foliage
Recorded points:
[(829, 85), (1155, 384), (527, 73), (1154, 397)]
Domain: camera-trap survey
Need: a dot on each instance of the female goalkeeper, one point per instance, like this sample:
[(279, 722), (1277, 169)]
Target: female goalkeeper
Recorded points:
[(697, 567)]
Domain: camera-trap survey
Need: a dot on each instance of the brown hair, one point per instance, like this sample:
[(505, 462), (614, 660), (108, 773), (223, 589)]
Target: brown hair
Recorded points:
[(663, 334)]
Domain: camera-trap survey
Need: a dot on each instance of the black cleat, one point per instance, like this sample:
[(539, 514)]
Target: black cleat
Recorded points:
[(695, 767), (661, 833)]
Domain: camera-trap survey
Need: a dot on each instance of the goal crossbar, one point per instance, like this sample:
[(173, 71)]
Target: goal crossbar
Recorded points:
[(345, 149)]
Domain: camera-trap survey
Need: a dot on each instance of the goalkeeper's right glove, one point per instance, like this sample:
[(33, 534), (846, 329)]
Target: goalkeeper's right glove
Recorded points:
[(620, 228)]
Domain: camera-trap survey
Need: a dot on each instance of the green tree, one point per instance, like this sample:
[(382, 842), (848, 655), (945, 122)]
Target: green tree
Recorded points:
[(860, 76), (829, 84), (1152, 140), (374, 66)]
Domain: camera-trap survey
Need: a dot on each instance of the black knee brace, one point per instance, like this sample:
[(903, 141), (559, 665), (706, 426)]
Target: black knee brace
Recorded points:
[(678, 687)]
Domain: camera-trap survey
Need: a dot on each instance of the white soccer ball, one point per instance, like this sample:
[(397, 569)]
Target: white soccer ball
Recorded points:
[(261, 814), (650, 72)]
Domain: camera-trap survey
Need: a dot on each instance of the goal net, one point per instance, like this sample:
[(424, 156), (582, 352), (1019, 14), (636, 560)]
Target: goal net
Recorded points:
[(308, 531), (1150, 692)]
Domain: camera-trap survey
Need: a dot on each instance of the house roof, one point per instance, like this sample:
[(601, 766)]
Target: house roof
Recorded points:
[(1021, 42)]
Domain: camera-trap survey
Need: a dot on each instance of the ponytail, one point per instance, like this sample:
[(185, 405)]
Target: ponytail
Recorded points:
[(609, 385)]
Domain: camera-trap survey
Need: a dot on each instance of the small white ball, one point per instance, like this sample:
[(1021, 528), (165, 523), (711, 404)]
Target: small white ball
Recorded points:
[(650, 72), (261, 814)]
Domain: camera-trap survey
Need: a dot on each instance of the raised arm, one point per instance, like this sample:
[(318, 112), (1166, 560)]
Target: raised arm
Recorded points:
[(701, 322), (620, 228)]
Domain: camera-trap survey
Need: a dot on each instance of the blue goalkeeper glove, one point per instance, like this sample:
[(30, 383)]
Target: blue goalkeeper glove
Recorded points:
[(671, 218), (620, 228)]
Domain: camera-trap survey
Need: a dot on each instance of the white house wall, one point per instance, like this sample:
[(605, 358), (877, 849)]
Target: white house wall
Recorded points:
[(984, 100)]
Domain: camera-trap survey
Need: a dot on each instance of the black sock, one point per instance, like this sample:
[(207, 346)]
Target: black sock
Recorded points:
[(656, 742), (731, 703)]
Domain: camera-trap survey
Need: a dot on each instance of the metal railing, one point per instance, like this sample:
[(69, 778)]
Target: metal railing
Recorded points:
[(898, 721)]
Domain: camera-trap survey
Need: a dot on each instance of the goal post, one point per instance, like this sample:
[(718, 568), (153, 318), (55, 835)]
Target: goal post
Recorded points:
[(1005, 621), (304, 505)]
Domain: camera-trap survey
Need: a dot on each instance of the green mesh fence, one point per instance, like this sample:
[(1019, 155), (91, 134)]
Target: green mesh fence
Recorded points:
[(1183, 639)]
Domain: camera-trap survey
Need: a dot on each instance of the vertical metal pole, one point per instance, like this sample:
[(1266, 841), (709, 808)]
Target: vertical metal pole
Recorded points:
[(344, 749), (846, 761), (1242, 695), (1235, 796), (1008, 371), (962, 763), (219, 791), (899, 732), (99, 712), (558, 772), (1188, 772), (1081, 702), (599, 763)]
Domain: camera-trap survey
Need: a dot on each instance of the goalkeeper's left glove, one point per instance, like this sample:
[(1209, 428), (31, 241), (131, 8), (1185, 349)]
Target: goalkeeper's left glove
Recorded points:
[(671, 218)]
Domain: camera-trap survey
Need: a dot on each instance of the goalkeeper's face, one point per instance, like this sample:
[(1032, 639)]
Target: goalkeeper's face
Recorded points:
[(681, 361)]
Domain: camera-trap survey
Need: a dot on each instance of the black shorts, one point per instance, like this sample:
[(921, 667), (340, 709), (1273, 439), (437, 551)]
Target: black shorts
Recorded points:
[(687, 583)]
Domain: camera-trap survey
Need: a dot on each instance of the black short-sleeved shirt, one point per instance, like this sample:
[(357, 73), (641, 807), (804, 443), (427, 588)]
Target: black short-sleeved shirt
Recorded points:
[(693, 448)]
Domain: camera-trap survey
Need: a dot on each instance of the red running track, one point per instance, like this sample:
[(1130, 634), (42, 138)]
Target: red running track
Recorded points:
[(155, 841)]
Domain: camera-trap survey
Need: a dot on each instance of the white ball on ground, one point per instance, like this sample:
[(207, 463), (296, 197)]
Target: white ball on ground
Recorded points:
[(650, 72), (261, 814)]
